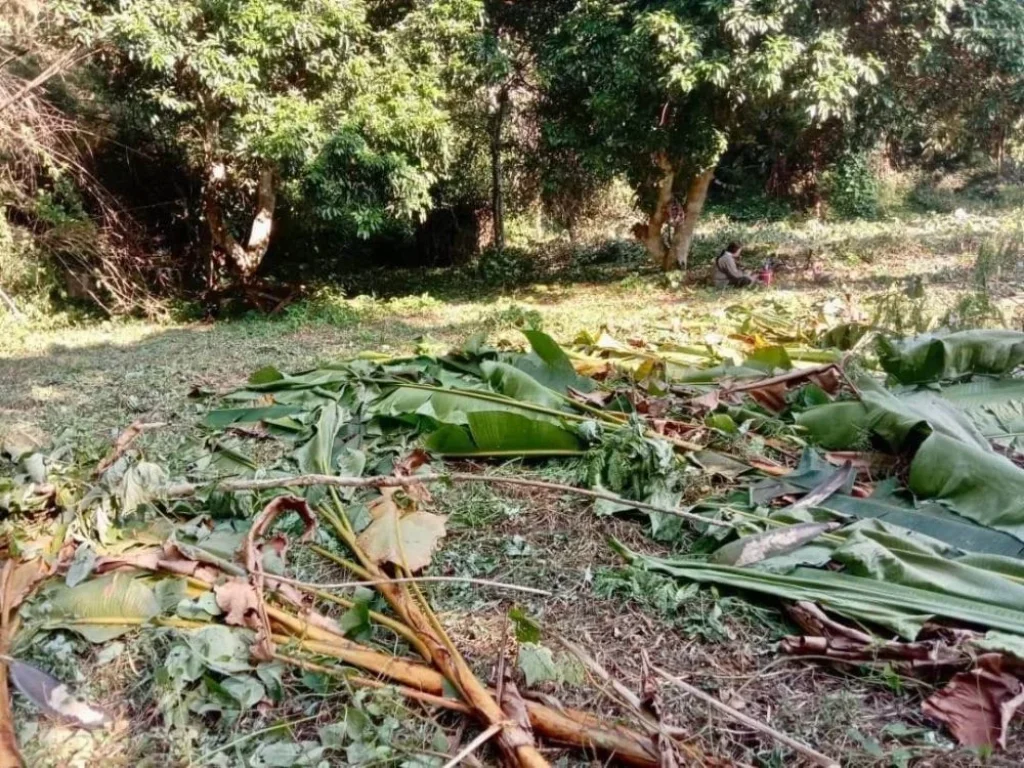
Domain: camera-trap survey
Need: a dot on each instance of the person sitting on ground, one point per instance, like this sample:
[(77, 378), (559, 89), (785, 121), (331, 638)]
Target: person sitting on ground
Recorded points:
[(727, 272)]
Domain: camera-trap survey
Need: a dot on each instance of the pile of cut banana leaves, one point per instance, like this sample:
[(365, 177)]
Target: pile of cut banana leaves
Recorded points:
[(879, 497)]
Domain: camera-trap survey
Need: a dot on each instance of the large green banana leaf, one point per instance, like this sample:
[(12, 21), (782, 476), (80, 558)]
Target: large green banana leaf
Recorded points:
[(453, 407), (983, 486), (501, 433), (550, 365), (934, 357), (994, 406), (898, 607), (899, 423)]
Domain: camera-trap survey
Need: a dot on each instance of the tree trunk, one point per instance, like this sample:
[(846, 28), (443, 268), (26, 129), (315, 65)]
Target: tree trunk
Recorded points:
[(679, 252), (497, 197), (652, 239), (247, 258)]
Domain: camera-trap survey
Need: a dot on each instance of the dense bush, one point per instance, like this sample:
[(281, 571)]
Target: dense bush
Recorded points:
[(851, 188)]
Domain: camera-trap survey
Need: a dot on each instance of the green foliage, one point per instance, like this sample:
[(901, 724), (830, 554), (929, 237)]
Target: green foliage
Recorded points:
[(506, 267), (349, 119), (851, 188), (628, 82)]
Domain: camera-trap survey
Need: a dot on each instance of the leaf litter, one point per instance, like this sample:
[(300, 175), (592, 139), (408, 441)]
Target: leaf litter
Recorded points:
[(938, 547)]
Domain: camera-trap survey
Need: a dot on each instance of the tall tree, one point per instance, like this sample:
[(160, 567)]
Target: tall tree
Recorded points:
[(272, 99), (657, 91)]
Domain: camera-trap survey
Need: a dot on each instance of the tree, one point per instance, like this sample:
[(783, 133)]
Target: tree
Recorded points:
[(968, 91), (657, 91), (300, 100)]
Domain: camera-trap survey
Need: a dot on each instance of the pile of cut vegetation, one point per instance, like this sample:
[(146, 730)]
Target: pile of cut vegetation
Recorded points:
[(877, 493)]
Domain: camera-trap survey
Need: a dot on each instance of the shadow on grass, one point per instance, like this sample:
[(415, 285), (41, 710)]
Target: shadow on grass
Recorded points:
[(138, 372)]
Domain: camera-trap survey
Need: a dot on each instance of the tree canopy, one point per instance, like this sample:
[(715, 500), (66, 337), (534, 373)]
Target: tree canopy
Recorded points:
[(339, 121)]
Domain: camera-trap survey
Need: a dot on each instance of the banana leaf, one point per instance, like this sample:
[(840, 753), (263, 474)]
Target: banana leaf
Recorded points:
[(453, 407), (994, 406), (980, 485), (101, 609), (519, 385), (550, 365), (501, 433), (934, 357), (226, 417), (316, 455), (899, 423), (900, 608)]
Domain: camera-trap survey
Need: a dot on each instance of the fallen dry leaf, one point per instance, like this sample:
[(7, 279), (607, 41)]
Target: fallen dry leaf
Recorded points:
[(978, 705), (237, 598), (407, 539), (125, 439)]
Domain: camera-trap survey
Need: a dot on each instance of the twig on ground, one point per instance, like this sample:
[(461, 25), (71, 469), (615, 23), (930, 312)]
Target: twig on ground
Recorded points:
[(472, 746), (124, 440), (182, 490), (411, 580), (814, 756)]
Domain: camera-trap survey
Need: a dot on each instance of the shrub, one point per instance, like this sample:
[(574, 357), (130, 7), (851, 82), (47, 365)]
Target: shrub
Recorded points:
[(509, 266), (851, 188)]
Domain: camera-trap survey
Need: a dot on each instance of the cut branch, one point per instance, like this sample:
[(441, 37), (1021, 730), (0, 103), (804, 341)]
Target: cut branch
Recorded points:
[(183, 490)]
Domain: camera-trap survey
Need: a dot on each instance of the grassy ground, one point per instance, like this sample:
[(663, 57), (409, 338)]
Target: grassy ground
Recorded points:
[(93, 380)]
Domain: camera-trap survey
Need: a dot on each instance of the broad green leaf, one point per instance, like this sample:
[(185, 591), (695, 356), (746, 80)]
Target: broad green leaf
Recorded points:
[(979, 485), (527, 629), (266, 375), (903, 609), (723, 422), (450, 407), (922, 569), (499, 433), (836, 426), (769, 359), (994, 406), (551, 366), (102, 609), (537, 663), (315, 456), (225, 417), (931, 520), (519, 385), (933, 357), (222, 649), (749, 550), (246, 690)]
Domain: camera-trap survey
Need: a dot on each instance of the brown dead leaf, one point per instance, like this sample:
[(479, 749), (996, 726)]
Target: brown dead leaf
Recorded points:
[(977, 705), (263, 647), (407, 467), (144, 559), (413, 461), (405, 538), (123, 442), (17, 580), (771, 397), (238, 600), (513, 705), (597, 398), (708, 401)]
